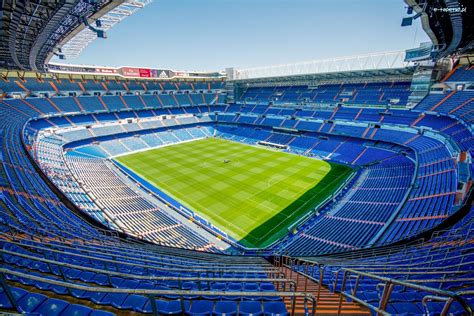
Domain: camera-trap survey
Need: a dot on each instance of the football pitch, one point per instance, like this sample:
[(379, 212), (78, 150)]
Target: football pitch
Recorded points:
[(252, 193)]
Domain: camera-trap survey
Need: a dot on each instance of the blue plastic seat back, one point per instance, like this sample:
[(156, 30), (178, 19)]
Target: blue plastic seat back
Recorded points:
[(275, 309), (4, 301), (31, 301), (77, 310), (52, 307), (201, 308), (171, 307), (225, 308), (101, 313), (234, 287), (250, 308), (250, 287), (135, 302)]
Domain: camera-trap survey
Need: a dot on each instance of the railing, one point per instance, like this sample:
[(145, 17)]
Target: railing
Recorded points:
[(147, 260), (406, 262), (310, 269), (153, 294), (388, 284), (145, 265), (201, 281), (116, 242), (67, 235)]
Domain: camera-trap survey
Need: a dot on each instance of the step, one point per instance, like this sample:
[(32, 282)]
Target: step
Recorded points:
[(328, 302)]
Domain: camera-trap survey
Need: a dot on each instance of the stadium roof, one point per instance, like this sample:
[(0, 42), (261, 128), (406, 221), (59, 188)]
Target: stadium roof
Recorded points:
[(31, 32), (389, 63), (448, 23)]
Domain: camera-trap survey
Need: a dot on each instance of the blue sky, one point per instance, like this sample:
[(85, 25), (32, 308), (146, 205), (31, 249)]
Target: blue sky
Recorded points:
[(214, 34)]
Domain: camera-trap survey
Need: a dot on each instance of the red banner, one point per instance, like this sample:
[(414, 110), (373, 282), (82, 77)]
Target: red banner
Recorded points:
[(144, 73)]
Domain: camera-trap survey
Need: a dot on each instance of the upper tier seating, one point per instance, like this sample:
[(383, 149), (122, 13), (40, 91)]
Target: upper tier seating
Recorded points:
[(368, 93), (54, 86), (457, 103), (462, 73)]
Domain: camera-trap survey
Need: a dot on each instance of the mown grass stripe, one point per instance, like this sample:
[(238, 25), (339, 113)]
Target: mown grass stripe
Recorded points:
[(254, 197)]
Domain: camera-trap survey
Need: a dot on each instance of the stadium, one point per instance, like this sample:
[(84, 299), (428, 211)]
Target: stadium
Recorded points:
[(336, 186)]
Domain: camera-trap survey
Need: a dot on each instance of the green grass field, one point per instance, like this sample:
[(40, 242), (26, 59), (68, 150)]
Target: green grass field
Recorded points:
[(254, 197)]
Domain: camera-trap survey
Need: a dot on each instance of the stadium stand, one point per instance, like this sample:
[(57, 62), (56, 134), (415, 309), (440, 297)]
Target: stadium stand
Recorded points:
[(361, 94), (81, 234)]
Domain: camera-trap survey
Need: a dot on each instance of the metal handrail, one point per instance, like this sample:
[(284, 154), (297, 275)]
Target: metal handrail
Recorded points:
[(184, 269), (147, 278), (383, 267), (197, 255), (151, 294), (367, 252), (388, 287), (59, 237), (307, 265), (93, 238), (154, 259), (389, 264), (281, 262), (403, 269), (442, 280)]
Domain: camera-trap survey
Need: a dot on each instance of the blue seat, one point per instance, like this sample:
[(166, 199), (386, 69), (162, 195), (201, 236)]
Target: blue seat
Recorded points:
[(267, 287), (225, 308), (370, 297), (405, 308), (401, 297), (218, 287), (99, 298), (42, 285), (115, 299), (200, 308), (52, 307), (166, 307), (59, 289), (18, 293), (4, 301), (145, 286), (77, 310), (30, 302), (81, 293), (190, 286), (251, 287), (165, 288), (87, 276), (129, 284), (134, 302), (101, 313), (275, 309), (251, 308), (435, 309), (116, 281), (72, 273), (234, 287), (101, 279)]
